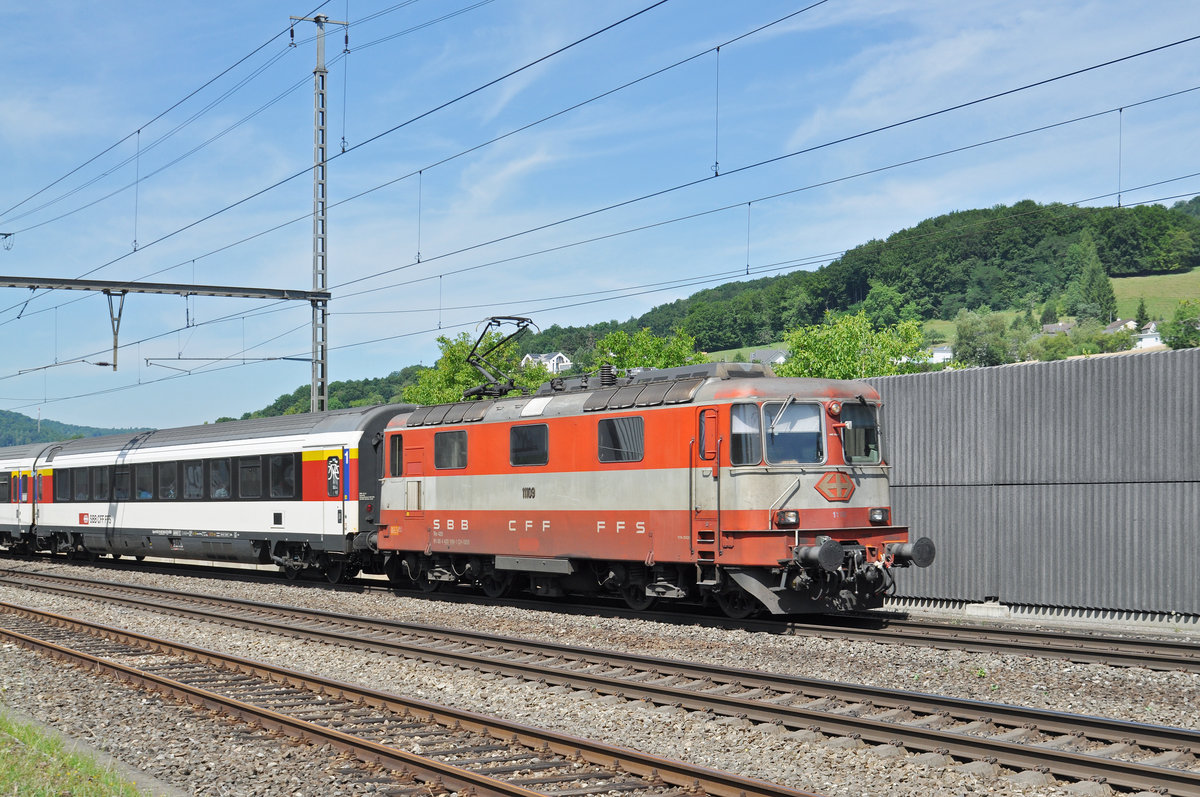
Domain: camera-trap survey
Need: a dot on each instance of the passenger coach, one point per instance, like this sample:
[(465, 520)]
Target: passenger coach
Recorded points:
[(298, 491)]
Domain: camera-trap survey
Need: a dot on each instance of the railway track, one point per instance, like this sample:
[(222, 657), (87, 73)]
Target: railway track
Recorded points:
[(1085, 648), (458, 751), (1124, 754)]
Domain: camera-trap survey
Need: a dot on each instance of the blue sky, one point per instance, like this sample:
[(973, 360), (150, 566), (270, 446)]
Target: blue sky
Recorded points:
[(525, 225)]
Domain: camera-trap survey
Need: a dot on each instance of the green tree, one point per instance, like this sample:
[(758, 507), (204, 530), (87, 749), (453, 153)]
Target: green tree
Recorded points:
[(1183, 330), (1142, 316), (883, 305), (1090, 294), (1050, 312), (644, 349), (451, 375), (983, 338), (848, 347)]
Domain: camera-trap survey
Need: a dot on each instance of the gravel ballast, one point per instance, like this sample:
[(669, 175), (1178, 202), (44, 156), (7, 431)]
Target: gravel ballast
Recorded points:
[(201, 755)]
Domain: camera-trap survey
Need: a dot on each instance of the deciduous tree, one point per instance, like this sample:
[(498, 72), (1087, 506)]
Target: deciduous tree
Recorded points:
[(849, 347)]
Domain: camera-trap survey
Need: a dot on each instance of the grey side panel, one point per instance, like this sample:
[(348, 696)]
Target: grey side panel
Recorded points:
[(1073, 483)]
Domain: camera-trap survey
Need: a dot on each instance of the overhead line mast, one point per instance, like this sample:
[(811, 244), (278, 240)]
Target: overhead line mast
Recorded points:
[(319, 396)]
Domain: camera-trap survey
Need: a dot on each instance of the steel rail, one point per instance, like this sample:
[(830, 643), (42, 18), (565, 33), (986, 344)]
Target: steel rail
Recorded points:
[(715, 782), (1069, 764)]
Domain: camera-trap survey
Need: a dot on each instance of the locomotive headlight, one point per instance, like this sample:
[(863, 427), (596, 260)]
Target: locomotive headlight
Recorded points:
[(879, 515), (835, 408), (787, 519)]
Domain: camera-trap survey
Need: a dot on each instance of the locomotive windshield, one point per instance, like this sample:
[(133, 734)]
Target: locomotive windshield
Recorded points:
[(860, 436), (793, 432)]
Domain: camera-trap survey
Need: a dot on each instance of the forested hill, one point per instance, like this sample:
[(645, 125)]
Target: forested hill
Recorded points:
[(18, 430), (1002, 257), (1005, 257)]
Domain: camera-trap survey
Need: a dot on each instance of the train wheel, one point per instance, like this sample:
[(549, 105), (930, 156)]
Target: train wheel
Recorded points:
[(495, 585), (291, 573), (339, 571), (737, 603), (426, 584), (636, 598)]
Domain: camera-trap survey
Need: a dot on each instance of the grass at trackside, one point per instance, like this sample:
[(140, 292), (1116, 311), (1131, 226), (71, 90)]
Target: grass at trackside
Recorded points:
[(33, 764), (1162, 293)]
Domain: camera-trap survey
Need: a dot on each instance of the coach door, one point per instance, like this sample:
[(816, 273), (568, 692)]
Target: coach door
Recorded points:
[(705, 487)]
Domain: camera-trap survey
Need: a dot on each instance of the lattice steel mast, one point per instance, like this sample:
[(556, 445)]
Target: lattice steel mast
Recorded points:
[(319, 397)]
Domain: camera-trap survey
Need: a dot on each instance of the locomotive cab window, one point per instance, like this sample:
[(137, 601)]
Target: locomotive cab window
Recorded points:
[(529, 445), (621, 439), (860, 435), (396, 456), (745, 435), (450, 450), (793, 432)]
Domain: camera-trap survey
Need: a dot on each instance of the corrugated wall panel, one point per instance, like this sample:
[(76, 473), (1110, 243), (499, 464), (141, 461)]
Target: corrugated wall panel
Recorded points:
[(1073, 483)]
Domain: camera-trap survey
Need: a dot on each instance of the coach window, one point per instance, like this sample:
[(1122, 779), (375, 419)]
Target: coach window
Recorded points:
[(82, 489), (529, 445), (6, 488), (745, 435), (193, 480), (621, 439), (100, 483), (218, 479), (396, 456), (450, 450), (168, 480), (282, 473), (121, 484), (793, 432), (62, 486), (249, 477), (143, 482)]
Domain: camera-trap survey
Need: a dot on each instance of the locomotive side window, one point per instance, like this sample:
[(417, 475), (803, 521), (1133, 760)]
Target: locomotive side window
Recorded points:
[(450, 450), (708, 434), (396, 456), (121, 484), (860, 436), (193, 480), (793, 432), (621, 439), (529, 445), (745, 435), (282, 473), (249, 477), (168, 480), (218, 479), (82, 489), (100, 483), (62, 486)]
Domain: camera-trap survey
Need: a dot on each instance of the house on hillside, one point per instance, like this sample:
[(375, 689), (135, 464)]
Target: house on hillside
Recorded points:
[(1061, 328), (768, 356), (555, 362), (1148, 336), (941, 354), (1120, 324)]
